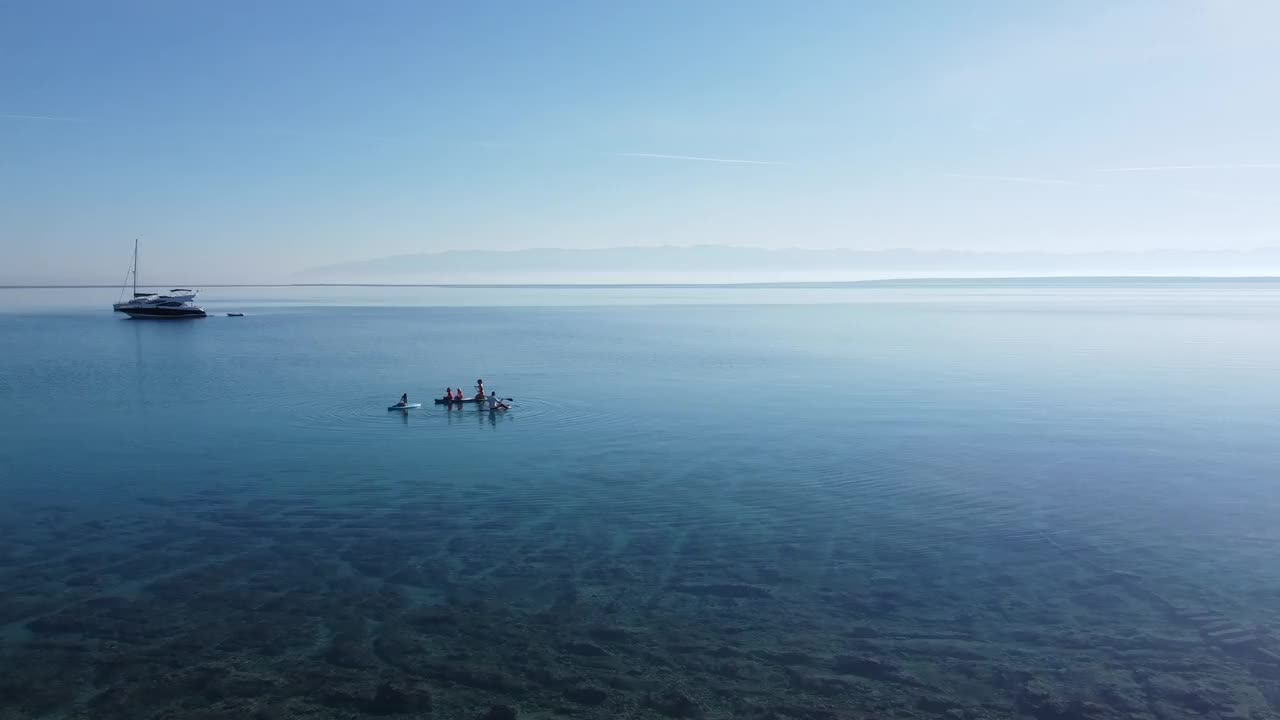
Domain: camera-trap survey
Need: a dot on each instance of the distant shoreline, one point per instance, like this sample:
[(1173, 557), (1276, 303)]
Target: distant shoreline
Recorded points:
[(883, 282)]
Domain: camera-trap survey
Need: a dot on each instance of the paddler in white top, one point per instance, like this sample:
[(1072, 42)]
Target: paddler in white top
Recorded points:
[(495, 404)]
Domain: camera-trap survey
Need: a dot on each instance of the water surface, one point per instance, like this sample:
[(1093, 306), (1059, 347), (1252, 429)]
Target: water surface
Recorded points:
[(965, 500)]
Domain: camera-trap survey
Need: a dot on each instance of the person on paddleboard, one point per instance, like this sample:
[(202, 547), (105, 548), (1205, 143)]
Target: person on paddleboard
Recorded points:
[(448, 394), (495, 403), (404, 399), (458, 396), (480, 389)]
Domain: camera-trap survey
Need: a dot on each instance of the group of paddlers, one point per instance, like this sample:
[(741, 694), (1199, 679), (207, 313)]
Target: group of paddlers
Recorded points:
[(455, 396), (450, 397)]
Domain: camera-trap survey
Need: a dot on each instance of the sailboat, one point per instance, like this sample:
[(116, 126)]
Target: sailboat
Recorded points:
[(178, 303)]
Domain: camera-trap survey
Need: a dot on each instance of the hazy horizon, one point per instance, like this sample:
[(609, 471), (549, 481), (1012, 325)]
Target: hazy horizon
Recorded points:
[(725, 264), (296, 136)]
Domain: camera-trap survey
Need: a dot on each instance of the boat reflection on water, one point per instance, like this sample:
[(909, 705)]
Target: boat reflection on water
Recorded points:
[(457, 414)]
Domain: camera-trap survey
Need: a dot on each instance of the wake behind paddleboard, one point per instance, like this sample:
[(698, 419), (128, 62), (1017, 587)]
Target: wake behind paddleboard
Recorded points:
[(410, 406)]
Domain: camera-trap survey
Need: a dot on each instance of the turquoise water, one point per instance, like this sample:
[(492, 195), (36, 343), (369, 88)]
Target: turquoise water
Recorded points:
[(1049, 500)]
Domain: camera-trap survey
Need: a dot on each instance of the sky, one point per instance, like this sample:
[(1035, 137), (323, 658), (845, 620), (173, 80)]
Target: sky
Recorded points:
[(244, 141)]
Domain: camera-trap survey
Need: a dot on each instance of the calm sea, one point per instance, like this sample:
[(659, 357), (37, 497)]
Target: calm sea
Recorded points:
[(1052, 499)]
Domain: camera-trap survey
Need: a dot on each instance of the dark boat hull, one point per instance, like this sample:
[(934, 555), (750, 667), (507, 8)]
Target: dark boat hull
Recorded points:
[(163, 313)]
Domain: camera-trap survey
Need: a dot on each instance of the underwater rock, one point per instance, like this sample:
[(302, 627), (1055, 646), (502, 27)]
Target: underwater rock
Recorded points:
[(246, 685), (1178, 694), (674, 704), (564, 601), (31, 697), (1197, 701), (267, 638), (379, 605), (586, 695), (724, 590), (14, 609), (608, 634), (814, 685), (348, 648), (786, 658), (872, 669), (275, 710), (939, 706), (479, 679), (801, 712), (619, 683), (392, 700), (1040, 703), (431, 620), (584, 649), (398, 647), (60, 624), (195, 686)]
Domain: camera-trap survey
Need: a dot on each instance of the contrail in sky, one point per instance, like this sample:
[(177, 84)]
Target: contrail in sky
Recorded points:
[(1020, 179), (1076, 183), (1160, 168), (17, 116), (699, 159)]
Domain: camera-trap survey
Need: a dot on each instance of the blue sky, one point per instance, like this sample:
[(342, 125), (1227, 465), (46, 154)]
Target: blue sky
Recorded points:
[(243, 141)]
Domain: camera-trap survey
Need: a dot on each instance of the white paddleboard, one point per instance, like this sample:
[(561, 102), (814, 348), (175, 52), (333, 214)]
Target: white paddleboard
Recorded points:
[(410, 406)]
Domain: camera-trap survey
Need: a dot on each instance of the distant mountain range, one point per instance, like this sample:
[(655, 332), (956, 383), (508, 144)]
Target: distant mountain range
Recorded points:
[(721, 261)]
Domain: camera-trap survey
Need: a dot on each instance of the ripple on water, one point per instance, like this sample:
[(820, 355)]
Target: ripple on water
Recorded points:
[(349, 415), (615, 470)]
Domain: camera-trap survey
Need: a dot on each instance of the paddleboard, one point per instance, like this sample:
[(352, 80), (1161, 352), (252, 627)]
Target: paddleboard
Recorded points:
[(410, 406)]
